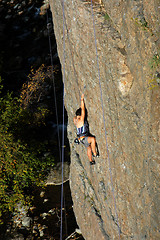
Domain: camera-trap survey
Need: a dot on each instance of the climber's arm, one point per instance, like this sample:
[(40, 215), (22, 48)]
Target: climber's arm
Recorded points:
[(74, 120), (82, 108)]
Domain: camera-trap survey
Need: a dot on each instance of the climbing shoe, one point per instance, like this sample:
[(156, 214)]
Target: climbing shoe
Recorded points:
[(97, 155), (76, 141), (92, 162)]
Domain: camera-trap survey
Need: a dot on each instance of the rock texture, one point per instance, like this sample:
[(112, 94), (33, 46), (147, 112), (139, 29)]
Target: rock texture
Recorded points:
[(118, 197), (55, 175)]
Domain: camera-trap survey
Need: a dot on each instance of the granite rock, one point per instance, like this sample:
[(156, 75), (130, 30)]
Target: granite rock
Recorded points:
[(117, 198)]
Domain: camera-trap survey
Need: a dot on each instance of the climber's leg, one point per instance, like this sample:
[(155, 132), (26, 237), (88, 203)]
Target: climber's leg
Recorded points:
[(89, 153), (92, 142)]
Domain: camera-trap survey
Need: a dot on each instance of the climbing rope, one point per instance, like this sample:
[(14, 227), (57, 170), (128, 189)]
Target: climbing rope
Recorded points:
[(61, 228), (55, 99), (61, 153), (104, 122)]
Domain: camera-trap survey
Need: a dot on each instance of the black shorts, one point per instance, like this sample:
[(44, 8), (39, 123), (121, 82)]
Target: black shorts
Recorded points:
[(85, 142)]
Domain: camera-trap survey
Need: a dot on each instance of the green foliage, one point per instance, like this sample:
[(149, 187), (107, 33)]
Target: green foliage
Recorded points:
[(155, 61), (143, 24), (106, 17), (153, 83), (22, 163), (37, 86), (155, 77), (34, 93), (1, 61)]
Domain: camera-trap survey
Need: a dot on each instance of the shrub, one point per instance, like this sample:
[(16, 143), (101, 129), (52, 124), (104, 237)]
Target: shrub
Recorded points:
[(22, 165)]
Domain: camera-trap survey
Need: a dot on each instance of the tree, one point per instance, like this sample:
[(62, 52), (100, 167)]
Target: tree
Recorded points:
[(22, 165)]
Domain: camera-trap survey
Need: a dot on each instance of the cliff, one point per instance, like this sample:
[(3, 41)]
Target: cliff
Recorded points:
[(117, 198)]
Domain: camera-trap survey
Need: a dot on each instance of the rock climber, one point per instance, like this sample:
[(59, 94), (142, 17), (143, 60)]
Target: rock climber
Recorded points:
[(83, 135)]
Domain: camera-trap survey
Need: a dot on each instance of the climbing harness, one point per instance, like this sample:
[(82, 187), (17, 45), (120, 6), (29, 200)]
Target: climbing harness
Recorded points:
[(83, 131)]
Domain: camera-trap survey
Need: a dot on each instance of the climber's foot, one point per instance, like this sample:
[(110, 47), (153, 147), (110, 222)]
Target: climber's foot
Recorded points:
[(92, 162), (97, 154)]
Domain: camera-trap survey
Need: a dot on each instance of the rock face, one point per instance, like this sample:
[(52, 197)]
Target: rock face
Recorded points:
[(118, 197), (55, 175)]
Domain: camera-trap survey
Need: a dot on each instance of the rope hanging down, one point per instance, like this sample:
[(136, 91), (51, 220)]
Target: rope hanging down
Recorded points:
[(61, 228), (104, 122), (61, 153), (54, 89)]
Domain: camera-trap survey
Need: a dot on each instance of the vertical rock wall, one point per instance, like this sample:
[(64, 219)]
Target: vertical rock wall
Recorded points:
[(122, 188)]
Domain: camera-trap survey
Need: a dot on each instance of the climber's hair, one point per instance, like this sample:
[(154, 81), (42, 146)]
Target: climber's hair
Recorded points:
[(78, 112)]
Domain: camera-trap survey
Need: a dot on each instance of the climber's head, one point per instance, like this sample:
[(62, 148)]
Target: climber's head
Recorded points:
[(78, 112)]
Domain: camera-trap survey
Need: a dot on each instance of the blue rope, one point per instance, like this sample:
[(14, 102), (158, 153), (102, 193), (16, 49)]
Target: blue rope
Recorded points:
[(109, 163), (61, 228), (55, 100)]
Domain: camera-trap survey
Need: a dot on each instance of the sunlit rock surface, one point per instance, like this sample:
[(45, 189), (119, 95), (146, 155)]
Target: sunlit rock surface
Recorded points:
[(118, 197)]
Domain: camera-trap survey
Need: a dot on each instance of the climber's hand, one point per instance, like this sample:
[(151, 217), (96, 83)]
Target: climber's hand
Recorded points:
[(82, 97)]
